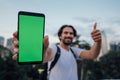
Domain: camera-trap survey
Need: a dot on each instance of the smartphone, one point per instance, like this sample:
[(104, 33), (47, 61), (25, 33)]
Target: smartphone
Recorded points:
[(30, 36)]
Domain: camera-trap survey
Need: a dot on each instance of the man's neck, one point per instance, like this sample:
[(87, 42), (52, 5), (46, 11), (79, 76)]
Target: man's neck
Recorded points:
[(66, 47)]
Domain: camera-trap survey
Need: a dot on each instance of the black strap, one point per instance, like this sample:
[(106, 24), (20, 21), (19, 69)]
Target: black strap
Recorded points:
[(55, 59), (73, 53)]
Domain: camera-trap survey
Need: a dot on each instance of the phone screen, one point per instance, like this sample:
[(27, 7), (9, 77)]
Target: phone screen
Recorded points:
[(30, 36)]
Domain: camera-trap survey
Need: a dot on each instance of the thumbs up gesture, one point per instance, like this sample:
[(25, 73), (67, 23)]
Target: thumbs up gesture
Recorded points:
[(96, 35)]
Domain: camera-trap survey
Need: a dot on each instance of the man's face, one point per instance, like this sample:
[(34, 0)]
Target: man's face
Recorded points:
[(67, 35)]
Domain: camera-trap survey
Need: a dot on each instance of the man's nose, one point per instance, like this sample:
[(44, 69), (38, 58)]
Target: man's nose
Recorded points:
[(69, 34)]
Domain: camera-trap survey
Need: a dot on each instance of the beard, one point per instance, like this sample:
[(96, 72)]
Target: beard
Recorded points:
[(67, 41)]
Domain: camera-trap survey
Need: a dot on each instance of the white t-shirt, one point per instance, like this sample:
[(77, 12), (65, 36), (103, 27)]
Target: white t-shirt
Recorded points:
[(66, 66)]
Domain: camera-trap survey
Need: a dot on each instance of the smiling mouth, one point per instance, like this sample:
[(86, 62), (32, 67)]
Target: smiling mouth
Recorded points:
[(68, 39)]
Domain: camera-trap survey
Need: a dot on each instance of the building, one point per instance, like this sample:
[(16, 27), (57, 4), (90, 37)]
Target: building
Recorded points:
[(115, 46), (9, 43), (115, 43), (2, 40), (104, 48)]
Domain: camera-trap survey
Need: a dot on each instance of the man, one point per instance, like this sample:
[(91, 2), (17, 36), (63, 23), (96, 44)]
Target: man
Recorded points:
[(66, 66)]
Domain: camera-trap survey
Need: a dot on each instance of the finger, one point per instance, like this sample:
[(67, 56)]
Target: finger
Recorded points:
[(15, 50), (98, 40), (14, 57), (15, 34), (14, 47), (96, 33), (96, 37), (94, 27), (15, 42)]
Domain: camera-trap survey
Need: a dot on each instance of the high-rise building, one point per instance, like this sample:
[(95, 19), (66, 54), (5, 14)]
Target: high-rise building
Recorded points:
[(2, 39), (115, 46), (9, 43), (104, 48), (104, 43)]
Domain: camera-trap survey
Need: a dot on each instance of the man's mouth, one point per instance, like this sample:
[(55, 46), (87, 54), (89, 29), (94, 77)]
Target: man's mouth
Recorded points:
[(68, 38)]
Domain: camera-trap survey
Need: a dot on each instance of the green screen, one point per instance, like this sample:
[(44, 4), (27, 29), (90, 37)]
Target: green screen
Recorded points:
[(31, 32)]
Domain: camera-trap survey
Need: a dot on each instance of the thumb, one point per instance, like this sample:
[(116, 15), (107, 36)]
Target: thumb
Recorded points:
[(46, 42), (94, 27)]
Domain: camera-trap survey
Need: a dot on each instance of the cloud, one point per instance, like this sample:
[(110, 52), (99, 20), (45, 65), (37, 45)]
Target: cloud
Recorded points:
[(110, 25), (114, 20), (87, 20)]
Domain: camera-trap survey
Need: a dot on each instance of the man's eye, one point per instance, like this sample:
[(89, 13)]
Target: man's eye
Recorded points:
[(71, 33), (65, 32)]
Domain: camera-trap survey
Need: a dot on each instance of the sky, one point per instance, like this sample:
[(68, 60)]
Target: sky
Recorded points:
[(82, 14)]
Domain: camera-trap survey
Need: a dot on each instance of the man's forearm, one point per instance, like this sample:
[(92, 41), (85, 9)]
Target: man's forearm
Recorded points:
[(95, 50), (47, 56)]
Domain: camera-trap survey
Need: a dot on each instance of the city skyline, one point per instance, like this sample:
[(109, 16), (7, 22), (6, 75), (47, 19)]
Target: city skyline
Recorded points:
[(80, 14)]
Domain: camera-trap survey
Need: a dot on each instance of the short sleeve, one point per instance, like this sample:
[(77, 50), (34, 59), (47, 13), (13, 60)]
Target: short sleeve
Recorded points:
[(77, 51)]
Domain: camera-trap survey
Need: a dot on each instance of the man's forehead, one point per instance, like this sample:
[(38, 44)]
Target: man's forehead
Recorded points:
[(68, 29)]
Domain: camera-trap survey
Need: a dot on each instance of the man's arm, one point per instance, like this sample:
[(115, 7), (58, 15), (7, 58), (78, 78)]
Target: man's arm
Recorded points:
[(92, 53), (95, 49), (48, 55), (48, 52)]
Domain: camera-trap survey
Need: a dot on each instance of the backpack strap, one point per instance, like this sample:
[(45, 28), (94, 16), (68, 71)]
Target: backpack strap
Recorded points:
[(73, 53), (55, 59)]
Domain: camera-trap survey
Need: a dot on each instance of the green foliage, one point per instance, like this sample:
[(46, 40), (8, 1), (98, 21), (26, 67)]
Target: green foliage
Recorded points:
[(106, 68), (110, 65), (9, 69)]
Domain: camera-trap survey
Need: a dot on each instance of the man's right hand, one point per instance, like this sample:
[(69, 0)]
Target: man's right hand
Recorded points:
[(15, 45)]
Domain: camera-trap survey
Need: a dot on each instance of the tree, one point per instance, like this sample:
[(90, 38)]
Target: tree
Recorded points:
[(9, 69), (110, 65)]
